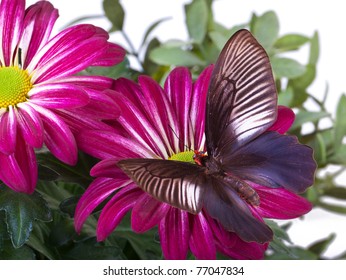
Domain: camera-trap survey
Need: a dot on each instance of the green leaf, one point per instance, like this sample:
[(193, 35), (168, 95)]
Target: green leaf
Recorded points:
[(332, 207), (340, 122), (21, 212), (197, 15), (218, 39), (290, 42), (320, 149), (151, 28), (145, 244), (314, 49), (3, 229), (115, 13), (10, 253), (120, 70), (92, 250), (306, 116), (321, 246), (174, 56), (339, 155), (47, 174), (75, 174), (285, 97), (304, 80), (297, 253), (266, 29), (336, 192), (38, 241), (286, 67)]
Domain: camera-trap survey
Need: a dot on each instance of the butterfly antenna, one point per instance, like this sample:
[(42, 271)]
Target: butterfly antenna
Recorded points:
[(179, 138), (20, 57)]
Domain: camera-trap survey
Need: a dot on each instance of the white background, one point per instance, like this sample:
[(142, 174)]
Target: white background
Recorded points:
[(296, 16)]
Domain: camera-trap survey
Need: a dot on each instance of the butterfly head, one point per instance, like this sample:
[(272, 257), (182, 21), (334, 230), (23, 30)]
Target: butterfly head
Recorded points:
[(199, 157)]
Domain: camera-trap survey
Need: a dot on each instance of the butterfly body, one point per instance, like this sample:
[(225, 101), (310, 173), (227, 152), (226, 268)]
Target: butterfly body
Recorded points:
[(241, 105)]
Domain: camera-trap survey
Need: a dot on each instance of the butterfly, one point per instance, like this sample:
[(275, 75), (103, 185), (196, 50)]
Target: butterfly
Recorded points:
[(241, 106)]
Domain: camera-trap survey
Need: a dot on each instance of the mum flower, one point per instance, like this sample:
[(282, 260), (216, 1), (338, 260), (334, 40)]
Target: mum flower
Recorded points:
[(41, 102), (168, 123)]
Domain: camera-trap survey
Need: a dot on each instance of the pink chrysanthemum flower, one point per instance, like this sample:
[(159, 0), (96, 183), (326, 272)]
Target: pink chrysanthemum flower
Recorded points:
[(168, 123), (39, 97)]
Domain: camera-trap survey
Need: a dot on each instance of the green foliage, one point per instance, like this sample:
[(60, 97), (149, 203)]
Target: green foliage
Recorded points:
[(40, 226)]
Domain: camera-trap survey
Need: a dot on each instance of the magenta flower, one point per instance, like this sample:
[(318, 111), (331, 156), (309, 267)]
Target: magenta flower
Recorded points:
[(41, 102), (168, 123)]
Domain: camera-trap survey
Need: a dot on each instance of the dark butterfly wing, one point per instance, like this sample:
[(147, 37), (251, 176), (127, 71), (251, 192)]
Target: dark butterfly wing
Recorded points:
[(177, 183), (242, 97), (224, 204), (274, 160)]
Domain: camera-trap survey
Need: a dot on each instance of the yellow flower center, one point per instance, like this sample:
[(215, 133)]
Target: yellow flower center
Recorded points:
[(186, 156), (14, 86)]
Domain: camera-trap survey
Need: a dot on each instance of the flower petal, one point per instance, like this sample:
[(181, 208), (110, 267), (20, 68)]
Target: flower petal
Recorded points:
[(57, 136), (202, 240), (107, 144), (71, 51), (58, 96), (178, 86), (198, 105), (108, 168), (115, 210), (242, 250), (147, 213), (11, 26), (174, 231), (97, 192), (38, 24), (113, 55), (8, 131), (280, 203), (19, 170), (284, 120), (30, 125)]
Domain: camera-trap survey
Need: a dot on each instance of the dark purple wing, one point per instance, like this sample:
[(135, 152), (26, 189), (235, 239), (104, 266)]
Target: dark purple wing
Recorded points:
[(242, 97), (224, 204), (177, 183), (274, 160)]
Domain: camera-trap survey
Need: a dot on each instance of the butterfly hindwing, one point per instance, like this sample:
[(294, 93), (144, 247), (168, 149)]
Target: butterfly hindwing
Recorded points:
[(242, 97), (177, 183), (223, 203)]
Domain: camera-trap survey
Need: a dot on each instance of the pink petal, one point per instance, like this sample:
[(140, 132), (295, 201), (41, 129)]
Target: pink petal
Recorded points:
[(202, 240), (113, 55), (139, 127), (108, 168), (11, 26), (178, 86), (160, 112), (92, 82), (19, 170), (97, 192), (58, 96), (38, 24), (279, 203), (100, 106), (284, 120), (107, 144), (242, 250), (198, 105), (78, 122), (115, 210), (8, 131), (147, 213), (71, 51), (57, 136), (30, 125), (174, 233)]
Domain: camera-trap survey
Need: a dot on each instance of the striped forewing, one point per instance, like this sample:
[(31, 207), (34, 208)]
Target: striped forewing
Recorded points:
[(242, 97), (177, 183)]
